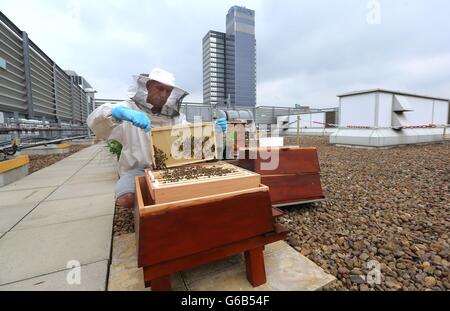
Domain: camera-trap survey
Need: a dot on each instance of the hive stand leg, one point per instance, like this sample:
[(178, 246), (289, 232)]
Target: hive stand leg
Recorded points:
[(161, 284), (254, 261)]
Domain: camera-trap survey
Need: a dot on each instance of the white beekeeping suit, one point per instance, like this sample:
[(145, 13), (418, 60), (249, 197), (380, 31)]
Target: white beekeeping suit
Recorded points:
[(135, 141)]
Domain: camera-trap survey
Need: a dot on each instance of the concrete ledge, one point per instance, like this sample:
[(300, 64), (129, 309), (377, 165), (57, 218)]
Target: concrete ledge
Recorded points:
[(62, 146), (13, 170), (379, 138), (82, 142), (46, 150), (309, 132)]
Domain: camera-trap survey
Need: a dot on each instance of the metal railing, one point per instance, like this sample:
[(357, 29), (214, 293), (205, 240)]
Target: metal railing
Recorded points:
[(32, 85)]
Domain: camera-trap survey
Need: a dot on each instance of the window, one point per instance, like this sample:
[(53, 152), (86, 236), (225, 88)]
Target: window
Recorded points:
[(2, 63)]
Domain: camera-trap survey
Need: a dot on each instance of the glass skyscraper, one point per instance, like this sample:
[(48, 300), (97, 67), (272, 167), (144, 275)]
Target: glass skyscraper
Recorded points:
[(234, 52), (213, 67)]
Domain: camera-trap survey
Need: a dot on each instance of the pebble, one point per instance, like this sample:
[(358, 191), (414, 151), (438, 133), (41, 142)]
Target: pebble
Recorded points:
[(430, 281), (356, 271), (343, 270), (306, 251), (364, 256), (364, 288)]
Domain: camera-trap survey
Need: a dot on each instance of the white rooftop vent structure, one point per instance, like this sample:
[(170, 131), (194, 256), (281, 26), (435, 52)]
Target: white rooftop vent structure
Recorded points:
[(383, 118)]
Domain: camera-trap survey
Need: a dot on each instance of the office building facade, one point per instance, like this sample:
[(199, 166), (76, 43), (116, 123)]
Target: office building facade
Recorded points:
[(214, 68), (237, 48)]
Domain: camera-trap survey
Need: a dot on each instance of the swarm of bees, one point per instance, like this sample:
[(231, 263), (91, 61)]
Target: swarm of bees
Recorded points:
[(193, 172), (160, 159)]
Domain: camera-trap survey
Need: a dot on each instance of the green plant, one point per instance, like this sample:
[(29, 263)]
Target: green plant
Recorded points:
[(115, 147)]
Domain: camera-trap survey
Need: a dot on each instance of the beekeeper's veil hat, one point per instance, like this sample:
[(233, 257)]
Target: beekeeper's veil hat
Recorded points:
[(138, 91)]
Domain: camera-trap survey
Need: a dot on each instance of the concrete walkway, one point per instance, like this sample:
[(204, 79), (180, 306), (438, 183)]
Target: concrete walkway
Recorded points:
[(57, 218)]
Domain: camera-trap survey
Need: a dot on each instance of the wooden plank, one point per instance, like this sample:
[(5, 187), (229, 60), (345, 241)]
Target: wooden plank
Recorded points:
[(161, 284), (213, 254), (293, 188), (190, 189), (292, 160), (165, 207), (206, 189)]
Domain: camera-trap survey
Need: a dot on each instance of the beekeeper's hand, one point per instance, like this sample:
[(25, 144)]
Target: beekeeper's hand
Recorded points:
[(222, 123), (138, 118)]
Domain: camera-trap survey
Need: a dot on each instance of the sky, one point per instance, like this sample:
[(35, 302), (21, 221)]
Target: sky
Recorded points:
[(307, 51)]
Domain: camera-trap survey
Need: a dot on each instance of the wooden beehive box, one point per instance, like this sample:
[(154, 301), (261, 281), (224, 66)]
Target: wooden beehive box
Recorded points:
[(296, 178), (291, 160), (183, 144), (198, 180), (175, 236)]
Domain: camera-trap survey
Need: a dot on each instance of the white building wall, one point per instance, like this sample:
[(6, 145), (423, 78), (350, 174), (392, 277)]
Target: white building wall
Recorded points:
[(385, 110), (440, 113), (357, 110), (422, 111)]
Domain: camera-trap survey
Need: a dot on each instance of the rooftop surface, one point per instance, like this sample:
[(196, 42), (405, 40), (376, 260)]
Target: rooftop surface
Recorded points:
[(62, 216)]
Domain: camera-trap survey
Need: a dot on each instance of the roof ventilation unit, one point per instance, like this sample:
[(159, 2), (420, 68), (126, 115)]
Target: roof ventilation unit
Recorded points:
[(399, 106)]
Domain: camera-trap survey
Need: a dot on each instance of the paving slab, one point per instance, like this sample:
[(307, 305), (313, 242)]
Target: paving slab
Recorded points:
[(286, 270), (67, 210), (198, 273), (15, 205), (12, 214), (32, 182), (93, 175), (124, 273), (92, 278), (81, 157), (102, 159), (94, 170), (37, 251), (12, 197), (70, 191), (67, 163), (231, 279)]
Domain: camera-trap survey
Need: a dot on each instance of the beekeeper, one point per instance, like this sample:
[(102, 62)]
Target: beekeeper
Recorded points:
[(154, 102)]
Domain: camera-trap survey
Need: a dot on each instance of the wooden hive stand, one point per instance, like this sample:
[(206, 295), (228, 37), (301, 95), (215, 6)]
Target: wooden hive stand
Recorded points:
[(175, 236)]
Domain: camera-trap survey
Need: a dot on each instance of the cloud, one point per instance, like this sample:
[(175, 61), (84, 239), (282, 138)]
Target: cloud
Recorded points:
[(307, 51)]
